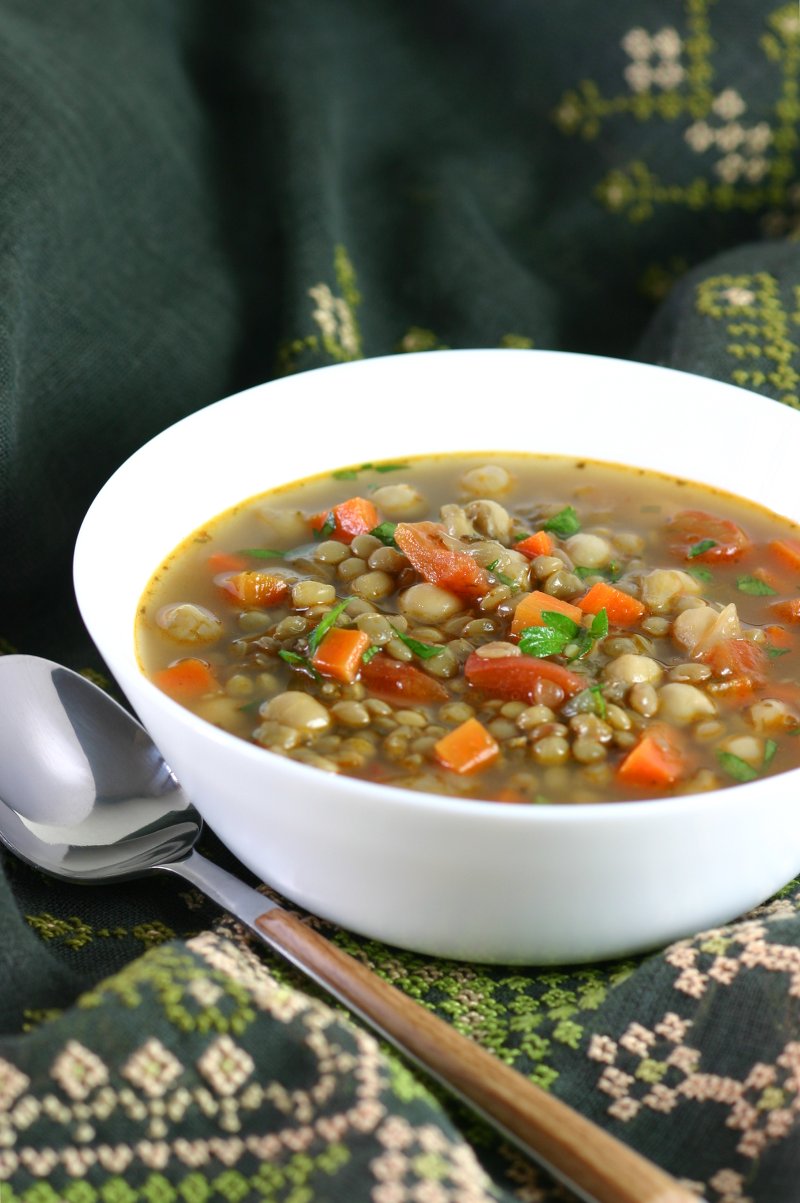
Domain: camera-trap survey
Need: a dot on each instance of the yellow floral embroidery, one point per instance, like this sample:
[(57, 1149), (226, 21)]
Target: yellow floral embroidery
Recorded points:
[(759, 329)]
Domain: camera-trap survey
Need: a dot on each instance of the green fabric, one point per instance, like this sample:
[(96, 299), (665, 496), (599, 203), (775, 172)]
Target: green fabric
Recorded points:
[(200, 196)]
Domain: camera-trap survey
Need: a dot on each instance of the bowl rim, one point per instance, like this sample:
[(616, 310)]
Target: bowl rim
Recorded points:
[(478, 810)]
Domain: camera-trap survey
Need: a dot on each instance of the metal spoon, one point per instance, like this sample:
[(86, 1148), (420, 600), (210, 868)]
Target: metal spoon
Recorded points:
[(86, 796)]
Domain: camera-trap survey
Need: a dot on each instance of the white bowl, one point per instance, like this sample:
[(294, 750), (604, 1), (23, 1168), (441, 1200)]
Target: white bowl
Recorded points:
[(462, 879)]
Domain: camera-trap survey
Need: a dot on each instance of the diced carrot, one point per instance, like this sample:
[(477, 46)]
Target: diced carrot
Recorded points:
[(466, 749), (187, 679), (741, 658), (706, 539), (515, 677), (787, 551), (226, 561), (447, 567), (787, 611), (339, 654), (529, 609), (538, 544), (395, 681), (356, 516), (656, 761), (622, 609), (255, 589)]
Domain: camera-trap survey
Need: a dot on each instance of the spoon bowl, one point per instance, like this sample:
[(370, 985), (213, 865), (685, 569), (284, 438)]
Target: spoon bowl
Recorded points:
[(86, 796), (93, 800)]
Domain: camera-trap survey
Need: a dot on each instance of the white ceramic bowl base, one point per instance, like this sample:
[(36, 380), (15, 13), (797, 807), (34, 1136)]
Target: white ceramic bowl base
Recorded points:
[(473, 880)]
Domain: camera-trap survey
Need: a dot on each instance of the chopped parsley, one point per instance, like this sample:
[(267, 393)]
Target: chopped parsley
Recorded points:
[(385, 532), (754, 586), (698, 548), (501, 576), (701, 574), (565, 523), (558, 631), (370, 653), (298, 661), (325, 624), (327, 528), (262, 553), (352, 473), (740, 769), (612, 572), (424, 650), (588, 701)]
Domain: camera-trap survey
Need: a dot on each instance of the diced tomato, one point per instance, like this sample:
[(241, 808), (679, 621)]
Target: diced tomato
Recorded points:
[(529, 609), (741, 666), (395, 681), (515, 677), (656, 761), (256, 590), (457, 571), (537, 544), (738, 658), (356, 516), (690, 529)]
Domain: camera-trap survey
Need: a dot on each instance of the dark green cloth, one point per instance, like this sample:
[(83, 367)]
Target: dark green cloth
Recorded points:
[(197, 196)]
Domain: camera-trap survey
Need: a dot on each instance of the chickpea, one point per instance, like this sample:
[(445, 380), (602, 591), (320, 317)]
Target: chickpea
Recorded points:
[(429, 603), (489, 480), (772, 715), (295, 709), (682, 704), (631, 669), (491, 651), (189, 623), (283, 528), (400, 501), (590, 551), (312, 593), (749, 748), (491, 519)]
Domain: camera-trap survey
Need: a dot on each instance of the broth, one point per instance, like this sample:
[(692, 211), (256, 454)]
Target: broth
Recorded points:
[(528, 629)]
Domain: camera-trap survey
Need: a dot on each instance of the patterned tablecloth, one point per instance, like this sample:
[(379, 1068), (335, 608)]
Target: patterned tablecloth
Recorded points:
[(199, 196)]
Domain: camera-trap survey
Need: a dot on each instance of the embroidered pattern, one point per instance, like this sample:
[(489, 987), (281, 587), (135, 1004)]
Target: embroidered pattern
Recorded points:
[(267, 1138), (759, 328), (670, 77), (655, 1067), (338, 338)]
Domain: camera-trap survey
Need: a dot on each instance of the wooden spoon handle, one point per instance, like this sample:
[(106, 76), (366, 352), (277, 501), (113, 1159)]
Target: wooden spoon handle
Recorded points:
[(577, 1152)]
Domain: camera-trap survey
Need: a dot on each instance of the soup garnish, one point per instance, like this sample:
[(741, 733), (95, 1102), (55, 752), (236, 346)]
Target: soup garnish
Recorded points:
[(519, 628)]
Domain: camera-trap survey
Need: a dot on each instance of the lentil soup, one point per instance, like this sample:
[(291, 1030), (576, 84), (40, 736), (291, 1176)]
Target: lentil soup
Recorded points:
[(519, 628)]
